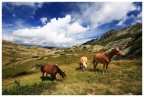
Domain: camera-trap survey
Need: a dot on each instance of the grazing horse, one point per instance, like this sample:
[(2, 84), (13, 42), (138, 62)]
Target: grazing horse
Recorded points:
[(105, 58), (83, 63), (53, 70)]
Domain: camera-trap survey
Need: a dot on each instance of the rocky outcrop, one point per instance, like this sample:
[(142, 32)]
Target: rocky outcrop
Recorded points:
[(127, 39)]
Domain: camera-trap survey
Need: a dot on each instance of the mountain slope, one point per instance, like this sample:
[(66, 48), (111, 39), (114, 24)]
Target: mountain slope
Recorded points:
[(127, 39), (21, 73)]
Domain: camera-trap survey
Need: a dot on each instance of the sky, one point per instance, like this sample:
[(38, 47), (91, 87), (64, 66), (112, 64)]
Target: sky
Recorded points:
[(65, 24)]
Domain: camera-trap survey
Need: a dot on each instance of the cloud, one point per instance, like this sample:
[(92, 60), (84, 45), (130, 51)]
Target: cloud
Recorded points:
[(58, 32), (22, 6), (122, 21), (138, 18), (29, 4), (43, 20), (72, 29), (101, 13), (139, 15), (135, 19)]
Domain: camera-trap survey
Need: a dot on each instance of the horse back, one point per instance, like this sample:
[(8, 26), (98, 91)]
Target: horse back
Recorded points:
[(83, 59), (51, 69), (101, 58)]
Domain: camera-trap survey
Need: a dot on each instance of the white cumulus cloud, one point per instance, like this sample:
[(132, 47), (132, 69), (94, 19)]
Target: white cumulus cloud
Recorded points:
[(69, 30), (30, 4), (58, 32)]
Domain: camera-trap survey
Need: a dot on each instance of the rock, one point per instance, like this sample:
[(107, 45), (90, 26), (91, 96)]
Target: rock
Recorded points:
[(121, 44), (34, 68), (128, 94), (96, 48)]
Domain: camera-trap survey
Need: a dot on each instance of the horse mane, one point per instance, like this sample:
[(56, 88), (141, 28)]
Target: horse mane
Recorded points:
[(59, 70), (108, 52)]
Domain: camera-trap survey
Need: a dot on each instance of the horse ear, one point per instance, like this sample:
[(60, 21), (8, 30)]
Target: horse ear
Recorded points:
[(117, 49)]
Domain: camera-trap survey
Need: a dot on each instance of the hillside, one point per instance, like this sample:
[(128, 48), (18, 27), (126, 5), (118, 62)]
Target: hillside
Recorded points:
[(14, 57), (21, 67), (127, 39)]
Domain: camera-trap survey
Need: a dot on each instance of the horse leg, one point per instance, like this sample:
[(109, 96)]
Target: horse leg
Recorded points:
[(104, 68), (42, 74), (53, 77), (84, 66), (80, 66), (46, 75), (95, 65)]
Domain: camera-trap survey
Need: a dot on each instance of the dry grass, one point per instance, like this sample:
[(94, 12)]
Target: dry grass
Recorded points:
[(124, 76)]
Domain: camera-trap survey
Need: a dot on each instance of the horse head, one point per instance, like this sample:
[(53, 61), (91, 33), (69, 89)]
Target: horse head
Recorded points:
[(117, 51), (63, 75)]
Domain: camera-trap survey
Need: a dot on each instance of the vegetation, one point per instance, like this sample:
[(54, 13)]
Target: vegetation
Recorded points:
[(124, 76), (21, 73)]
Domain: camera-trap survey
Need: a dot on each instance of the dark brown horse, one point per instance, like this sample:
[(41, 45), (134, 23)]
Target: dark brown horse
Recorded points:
[(105, 58), (53, 70)]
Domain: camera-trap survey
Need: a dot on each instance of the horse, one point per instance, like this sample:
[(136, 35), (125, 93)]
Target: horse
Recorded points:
[(105, 58), (52, 69), (83, 63)]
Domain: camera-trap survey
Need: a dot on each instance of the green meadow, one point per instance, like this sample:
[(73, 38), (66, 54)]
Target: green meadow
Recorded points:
[(23, 78)]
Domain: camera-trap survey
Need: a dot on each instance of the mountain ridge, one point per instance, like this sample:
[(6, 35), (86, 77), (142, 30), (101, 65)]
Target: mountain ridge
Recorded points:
[(127, 39)]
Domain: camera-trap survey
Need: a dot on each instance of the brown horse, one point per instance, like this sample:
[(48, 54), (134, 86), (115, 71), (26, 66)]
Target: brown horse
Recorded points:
[(83, 63), (53, 70), (105, 58)]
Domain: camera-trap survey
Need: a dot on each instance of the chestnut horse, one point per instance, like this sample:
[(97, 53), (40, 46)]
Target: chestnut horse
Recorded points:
[(53, 70), (83, 63), (105, 58)]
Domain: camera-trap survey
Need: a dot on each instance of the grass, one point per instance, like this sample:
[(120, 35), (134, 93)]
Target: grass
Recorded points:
[(124, 76)]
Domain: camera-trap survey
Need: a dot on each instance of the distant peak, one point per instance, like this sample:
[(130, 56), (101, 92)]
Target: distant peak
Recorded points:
[(111, 30)]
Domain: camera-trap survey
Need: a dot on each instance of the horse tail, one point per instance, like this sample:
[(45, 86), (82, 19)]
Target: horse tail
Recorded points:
[(42, 68)]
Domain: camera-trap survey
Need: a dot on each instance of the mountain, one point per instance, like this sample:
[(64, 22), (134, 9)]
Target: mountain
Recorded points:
[(127, 39), (20, 59), (21, 66)]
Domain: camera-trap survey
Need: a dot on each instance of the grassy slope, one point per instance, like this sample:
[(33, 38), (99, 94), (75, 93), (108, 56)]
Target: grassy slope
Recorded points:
[(124, 76)]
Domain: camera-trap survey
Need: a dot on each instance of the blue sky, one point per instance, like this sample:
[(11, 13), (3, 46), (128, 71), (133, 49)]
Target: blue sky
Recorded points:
[(65, 24)]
